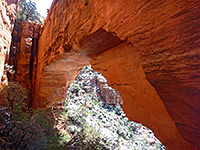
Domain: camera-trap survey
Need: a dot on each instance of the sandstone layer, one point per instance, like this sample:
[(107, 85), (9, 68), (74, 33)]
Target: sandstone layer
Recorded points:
[(148, 50), (57, 76), (123, 69), (23, 53), (7, 17)]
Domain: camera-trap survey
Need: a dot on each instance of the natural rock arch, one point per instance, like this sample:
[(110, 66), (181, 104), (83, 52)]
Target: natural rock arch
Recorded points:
[(144, 42)]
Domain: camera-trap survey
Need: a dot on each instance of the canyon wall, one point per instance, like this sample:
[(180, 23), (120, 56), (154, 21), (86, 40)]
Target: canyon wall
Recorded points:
[(7, 18), (23, 53), (148, 51)]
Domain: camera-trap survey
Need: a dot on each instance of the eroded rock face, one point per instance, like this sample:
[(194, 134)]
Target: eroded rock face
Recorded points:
[(123, 69), (23, 53), (91, 82), (56, 78), (7, 17), (164, 39)]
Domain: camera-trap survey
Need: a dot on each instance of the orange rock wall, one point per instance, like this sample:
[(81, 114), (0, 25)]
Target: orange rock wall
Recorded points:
[(23, 53), (57, 76), (123, 69), (164, 39), (7, 17)]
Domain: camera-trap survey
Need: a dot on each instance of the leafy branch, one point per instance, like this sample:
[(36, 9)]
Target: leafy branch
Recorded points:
[(27, 12)]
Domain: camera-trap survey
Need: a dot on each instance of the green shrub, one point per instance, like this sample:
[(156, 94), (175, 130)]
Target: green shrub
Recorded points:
[(22, 128), (27, 12), (15, 95)]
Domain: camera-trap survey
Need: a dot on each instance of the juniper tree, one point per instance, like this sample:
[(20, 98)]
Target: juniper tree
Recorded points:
[(27, 11)]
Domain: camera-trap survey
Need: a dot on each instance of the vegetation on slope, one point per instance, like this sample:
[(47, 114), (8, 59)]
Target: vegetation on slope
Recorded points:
[(94, 124), (22, 128), (86, 122)]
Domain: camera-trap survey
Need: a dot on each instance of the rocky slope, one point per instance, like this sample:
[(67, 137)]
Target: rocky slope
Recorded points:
[(133, 43), (105, 126), (7, 18)]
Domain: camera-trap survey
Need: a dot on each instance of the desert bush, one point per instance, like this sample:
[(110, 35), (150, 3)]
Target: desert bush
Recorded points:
[(15, 95), (82, 136), (22, 128)]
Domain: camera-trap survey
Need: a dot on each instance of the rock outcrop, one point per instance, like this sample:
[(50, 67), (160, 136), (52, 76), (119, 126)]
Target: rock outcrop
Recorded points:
[(93, 82), (7, 18), (138, 46), (23, 53)]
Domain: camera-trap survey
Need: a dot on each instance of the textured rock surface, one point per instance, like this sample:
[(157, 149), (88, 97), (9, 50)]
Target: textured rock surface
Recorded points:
[(7, 17), (123, 69), (56, 77), (166, 36), (93, 82), (107, 94), (23, 53)]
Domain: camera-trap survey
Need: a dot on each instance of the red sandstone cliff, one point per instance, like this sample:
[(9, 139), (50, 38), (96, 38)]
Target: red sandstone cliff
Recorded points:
[(23, 53), (148, 51), (7, 17)]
